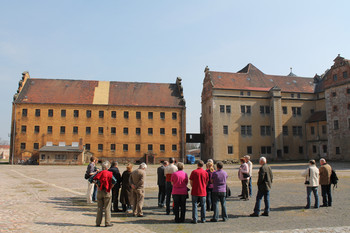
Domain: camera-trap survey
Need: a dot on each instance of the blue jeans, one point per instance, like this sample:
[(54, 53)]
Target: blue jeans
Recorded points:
[(195, 200), (308, 197), (168, 190), (326, 195), (250, 187), (222, 197), (259, 196)]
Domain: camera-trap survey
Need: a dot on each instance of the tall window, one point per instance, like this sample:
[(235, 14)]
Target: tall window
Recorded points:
[(150, 147), (336, 124), (162, 131), (63, 113), (345, 74), (138, 131), (125, 130), (113, 130), (324, 129), (284, 109), (87, 146), (150, 131), (75, 129), (101, 114), (245, 109), (125, 147), (138, 115), (265, 130), (36, 146), (23, 146), (100, 130), (37, 112), (312, 130), (222, 108), (162, 147), (264, 109), (23, 129), (246, 130), (229, 149), (225, 129), (297, 131), (100, 147), (49, 129), (137, 147), (76, 113), (174, 115), (150, 115), (112, 147), (88, 113), (174, 131), (314, 149), (174, 147), (113, 114), (50, 113), (62, 130), (286, 149), (337, 150), (249, 150), (88, 130), (296, 111), (36, 129), (228, 108), (335, 77), (162, 115), (24, 112), (126, 114), (285, 130), (301, 150)]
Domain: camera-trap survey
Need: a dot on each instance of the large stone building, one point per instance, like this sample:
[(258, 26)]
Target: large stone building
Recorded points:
[(67, 121), (281, 117)]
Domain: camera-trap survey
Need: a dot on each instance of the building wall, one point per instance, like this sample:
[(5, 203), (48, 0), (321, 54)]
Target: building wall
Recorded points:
[(107, 137)]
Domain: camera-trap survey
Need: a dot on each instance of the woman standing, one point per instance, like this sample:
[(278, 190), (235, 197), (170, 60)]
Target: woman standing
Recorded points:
[(210, 170), (125, 193), (243, 175), (179, 180)]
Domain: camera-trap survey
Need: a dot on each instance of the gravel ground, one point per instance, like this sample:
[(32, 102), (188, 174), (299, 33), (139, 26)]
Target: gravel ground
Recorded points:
[(52, 199)]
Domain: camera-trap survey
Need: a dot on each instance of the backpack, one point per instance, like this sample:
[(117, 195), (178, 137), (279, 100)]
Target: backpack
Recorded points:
[(334, 179)]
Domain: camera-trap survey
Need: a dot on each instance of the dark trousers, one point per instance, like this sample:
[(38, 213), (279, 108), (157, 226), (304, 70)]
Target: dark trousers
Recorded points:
[(250, 187), (259, 196), (94, 194), (326, 195), (209, 199), (179, 203), (115, 197), (219, 196), (245, 189), (168, 189), (161, 195)]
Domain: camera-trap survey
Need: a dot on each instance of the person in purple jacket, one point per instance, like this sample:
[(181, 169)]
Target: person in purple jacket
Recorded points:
[(219, 192), (179, 181)]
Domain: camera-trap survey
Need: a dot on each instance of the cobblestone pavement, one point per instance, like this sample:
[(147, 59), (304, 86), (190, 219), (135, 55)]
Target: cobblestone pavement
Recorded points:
[(52, 199)]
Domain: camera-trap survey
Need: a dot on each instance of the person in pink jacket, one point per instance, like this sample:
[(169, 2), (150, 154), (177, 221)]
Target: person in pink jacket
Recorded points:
[(243, 175), (179, 180)]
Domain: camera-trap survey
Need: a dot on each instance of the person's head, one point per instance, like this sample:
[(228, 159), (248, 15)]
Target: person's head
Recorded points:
[(171, 160), (143, 166), (166, 163), (210, 166), (114, 164), (200, 163), (242, 160), (210, 161), (180, 166), (219, 165), (312, 162), (322, 161), (262, 160), (105, 165), (93, 159), (129, 167), (247, 158)]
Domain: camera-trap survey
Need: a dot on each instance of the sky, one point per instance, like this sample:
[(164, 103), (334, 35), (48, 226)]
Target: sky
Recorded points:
[(157, 41)]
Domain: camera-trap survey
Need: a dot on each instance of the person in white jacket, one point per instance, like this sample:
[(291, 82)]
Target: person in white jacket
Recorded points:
[(311, 175)]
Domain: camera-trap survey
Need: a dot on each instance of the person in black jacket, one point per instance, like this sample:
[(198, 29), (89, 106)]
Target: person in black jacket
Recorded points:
[(264, 186), (161, 184), (116, 187)]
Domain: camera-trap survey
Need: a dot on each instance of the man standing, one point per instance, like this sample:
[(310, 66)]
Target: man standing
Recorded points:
[(219, 192), (325, 182), (161, 184), (137, 181), (90, 171), (199, 180), (250, 166), (168, 171), (115, 191), (311, 175), (265, 178)]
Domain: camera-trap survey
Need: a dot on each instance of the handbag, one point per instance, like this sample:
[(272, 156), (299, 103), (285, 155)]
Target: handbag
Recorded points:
[(245, 175), (228, 191), (307, 181)]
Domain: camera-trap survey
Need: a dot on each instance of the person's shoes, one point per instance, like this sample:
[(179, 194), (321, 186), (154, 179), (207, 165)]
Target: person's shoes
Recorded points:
[(167, 213), (118, 210), (109, 225), (265, 214), (316, 207), (240, 195), (98, 225), (246, 199), (194, 222), (254, 215), (224, 219), (203, 221), (329, 205), (213, 220), (140, 215), (307, 207), (323, 205), (242, 198)]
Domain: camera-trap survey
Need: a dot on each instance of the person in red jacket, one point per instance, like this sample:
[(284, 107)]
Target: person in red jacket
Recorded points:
[(105, 182)]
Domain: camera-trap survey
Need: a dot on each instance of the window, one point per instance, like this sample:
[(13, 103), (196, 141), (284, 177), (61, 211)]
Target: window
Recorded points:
[(49, 129), (36, 146), (100, 147), (126, 114), (265, 130), (138, 115), (88, 113), (87, 146), (241, 93), (101, 114), (150, 147), (75, 129), (174, 147), (225, 129), (298, 95), (113, 130), (174, 115), (230, 150), (285, 130), (23, 129), (347, 91), (336, 124), (324, 147), (162, 131), (286, 149), (162, 147), (222, 108), (248, 93), (50, 113), (337, 150), (162, 115), (301, 150), (42, 157), (314, 149), (312, 130), (60, 157), (246, 109), (138, 131), (297, 131), (76, 113), (23, 146), (100, 130), (113, 114), (137, 147), (264, 109), (334, 94), (285, 110), (62, 130), (292, 95), (266, 150), (249, 150), (345, 74), (150, 115), (37, 112), (88, 130), (24, 112), (296, 111), (324, 129), (150, 131), (174, 131), (228, 108), (36, 129), (335, 108), (246, 130), (335, 77), (75, 157), (126, 131), (112, 147), (63, 113)]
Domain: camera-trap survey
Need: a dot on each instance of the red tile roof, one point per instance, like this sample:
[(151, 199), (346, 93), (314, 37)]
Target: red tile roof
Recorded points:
[(251, 78), (58, 91)]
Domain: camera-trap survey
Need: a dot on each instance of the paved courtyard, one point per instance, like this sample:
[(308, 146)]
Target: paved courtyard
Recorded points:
[(52, 199)]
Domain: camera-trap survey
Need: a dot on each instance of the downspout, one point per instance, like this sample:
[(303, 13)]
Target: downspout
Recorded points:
[(13, 134), (183, 135)]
